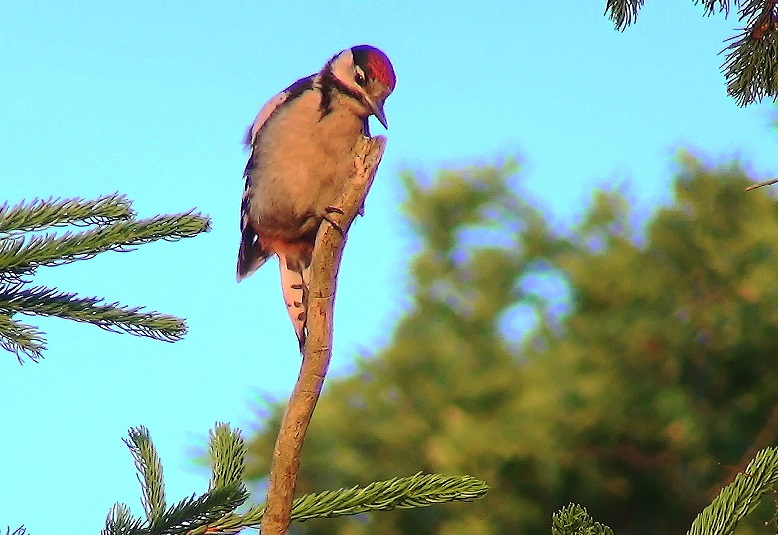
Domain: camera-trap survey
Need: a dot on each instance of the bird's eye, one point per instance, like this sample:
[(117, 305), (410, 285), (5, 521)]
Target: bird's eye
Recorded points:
[(359, 77)]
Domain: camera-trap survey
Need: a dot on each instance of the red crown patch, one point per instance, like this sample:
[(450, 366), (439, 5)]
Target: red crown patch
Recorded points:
[(382, 69)]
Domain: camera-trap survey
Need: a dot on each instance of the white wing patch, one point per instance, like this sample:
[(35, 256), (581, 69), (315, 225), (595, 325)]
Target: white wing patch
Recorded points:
[(263, 115)]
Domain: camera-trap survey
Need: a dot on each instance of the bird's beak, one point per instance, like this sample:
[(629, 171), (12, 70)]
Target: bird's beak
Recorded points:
[(378, 111)]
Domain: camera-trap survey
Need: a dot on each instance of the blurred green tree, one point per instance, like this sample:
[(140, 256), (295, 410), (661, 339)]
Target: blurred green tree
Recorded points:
[(645, 378)]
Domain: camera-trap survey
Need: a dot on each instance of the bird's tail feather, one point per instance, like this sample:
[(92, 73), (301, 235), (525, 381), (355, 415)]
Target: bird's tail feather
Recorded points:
[(250, 256), (295, 290)]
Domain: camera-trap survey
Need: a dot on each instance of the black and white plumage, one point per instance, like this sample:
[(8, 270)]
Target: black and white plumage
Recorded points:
[(301, 143)]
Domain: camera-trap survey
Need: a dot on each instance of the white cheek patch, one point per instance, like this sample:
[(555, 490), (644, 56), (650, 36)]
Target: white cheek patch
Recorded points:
[(343, 67)]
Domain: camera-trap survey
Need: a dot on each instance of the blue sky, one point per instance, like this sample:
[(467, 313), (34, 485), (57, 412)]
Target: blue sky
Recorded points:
[(151, 99)]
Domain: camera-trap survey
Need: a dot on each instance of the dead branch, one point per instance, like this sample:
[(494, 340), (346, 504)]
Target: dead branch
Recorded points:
[(327, 254)]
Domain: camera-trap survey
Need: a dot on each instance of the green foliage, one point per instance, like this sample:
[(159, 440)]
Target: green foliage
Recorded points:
[(214, 511), (225, 494), (751, 64), (646, 382), (574, 520), (740, 497), (149, 466), (419, 490), (623, 12), (732, 504), (23, 250)]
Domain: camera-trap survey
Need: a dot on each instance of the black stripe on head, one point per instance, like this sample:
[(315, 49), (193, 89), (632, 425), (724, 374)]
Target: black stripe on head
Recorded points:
[(361, 54)]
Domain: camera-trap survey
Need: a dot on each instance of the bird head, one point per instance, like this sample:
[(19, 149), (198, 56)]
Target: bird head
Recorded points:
[(366, 74)]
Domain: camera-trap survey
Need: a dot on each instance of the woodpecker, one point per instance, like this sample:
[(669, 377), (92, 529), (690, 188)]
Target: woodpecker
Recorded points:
[(300, 157)]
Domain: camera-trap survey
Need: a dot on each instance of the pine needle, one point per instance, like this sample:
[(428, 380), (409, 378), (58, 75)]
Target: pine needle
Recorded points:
[(22, 251), (111, 317), (213, 513), (39, 214), (740, 497)]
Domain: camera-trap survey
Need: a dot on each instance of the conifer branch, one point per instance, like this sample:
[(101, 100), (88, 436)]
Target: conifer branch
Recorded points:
[(112, 317), (751, 63), (149, 472), (20, 339), (623, 12), (761, 440), (190, 513), (213, 513), (115, 229), (575, 520), (121, 522), (20, 255), (419, 490), (39, 214), (740, 497), (199, 513), (711, 7), (227, 451)]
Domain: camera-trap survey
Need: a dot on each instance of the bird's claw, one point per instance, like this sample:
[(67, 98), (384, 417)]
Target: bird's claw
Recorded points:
[(326, 216)]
